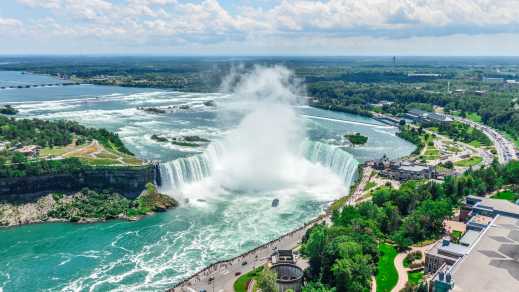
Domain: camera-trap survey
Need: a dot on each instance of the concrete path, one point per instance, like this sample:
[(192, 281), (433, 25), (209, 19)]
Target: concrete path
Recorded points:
[(401, 270), (373, 284)]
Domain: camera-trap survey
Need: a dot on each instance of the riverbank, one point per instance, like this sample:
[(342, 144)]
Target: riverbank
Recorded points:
[(224, 273), (85, 206)]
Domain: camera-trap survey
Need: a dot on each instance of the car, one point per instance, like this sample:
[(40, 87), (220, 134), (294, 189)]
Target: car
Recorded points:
[(244, 263), (237, 274)]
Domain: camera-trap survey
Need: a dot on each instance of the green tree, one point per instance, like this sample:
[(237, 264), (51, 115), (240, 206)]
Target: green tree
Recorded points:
[(267, 281)]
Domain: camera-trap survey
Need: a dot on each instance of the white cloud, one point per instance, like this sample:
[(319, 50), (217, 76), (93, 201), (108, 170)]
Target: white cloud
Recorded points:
[(207, 21), (10, 26)]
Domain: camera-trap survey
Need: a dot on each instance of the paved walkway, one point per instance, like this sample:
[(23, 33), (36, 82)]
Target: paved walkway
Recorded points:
[(401, 270), (221, 276), (373, 284)]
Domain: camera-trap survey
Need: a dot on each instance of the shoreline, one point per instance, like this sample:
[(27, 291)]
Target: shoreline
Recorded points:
[(69, 208), (322, 218)]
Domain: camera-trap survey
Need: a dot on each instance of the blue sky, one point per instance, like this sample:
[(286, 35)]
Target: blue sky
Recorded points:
[(261, 27)]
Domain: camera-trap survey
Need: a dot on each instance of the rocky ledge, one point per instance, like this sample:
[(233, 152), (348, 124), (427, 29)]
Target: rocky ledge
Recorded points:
[(85, 206)]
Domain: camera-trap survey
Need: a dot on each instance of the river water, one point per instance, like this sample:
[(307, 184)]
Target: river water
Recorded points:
[(212, 223)]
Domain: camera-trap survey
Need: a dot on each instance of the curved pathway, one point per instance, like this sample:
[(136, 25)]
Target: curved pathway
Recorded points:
[(401, 270)]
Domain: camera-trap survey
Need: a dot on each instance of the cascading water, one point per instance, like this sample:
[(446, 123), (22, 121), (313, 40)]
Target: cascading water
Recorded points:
[(338, 160), (177, 173)]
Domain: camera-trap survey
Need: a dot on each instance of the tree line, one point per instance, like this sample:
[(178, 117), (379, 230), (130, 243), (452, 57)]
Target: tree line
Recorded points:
[(344, 255)]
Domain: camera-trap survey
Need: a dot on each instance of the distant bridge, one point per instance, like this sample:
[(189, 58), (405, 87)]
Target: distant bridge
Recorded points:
[(38, 85)]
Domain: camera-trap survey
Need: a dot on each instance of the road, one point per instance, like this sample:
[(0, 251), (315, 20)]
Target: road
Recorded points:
[(506, 150)]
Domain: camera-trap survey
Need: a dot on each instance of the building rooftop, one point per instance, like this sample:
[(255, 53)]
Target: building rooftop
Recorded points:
[(451, 226), (451, 251), (481, 219), (414, 168), (493, 263), (502, 206), (469, 237)]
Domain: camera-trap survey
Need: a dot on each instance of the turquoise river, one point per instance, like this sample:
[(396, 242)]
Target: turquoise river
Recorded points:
[(226, 189)]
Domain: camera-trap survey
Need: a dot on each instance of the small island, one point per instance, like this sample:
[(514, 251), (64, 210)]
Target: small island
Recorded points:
[(186, 141), (8, 110), (357, 139)]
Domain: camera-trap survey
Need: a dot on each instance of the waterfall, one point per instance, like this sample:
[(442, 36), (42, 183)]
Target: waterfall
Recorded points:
[(338, 160), (182, 171), (176, 173)]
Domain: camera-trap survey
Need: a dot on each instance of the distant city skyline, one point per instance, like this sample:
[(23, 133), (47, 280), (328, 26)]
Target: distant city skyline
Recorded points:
[(262, 27)]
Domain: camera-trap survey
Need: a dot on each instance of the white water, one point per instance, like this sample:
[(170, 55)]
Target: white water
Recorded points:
[(180, 173)]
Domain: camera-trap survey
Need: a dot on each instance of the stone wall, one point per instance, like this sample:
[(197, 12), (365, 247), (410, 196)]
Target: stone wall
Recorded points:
[(128, 181)]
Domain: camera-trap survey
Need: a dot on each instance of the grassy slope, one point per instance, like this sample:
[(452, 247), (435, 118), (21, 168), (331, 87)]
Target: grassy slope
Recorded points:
[(387, 276), (241, 283)]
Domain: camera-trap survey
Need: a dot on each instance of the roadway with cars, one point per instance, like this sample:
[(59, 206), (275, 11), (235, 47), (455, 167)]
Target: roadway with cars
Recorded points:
[(506, 150)]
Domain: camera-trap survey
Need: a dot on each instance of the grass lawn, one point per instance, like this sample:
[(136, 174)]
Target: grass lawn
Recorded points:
[(241, 283), (55, 151), (99, 161), (431, 153), (474, 160), (475, 144), (415, 277), (387, 276), (506, 195), (453, 149), (474, 117), (370, 185)]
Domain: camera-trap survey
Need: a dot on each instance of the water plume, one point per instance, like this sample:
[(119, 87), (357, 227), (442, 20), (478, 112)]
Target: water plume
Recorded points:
[(269, 150)]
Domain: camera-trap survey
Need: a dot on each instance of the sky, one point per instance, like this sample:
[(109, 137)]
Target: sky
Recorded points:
[(261, 27)]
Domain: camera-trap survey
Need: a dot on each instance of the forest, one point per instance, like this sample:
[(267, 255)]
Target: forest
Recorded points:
[(344, 255), (55, 133)]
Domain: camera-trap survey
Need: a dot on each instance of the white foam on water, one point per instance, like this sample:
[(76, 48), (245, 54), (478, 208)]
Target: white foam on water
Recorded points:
[(350, 122)]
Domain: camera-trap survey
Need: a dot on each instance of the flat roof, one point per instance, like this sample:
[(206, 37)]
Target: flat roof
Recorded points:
[(500, 205), (415, 168), (437, 249), (493, 263), (454, 248), (451, 225), (481, 219), (469, 237)]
